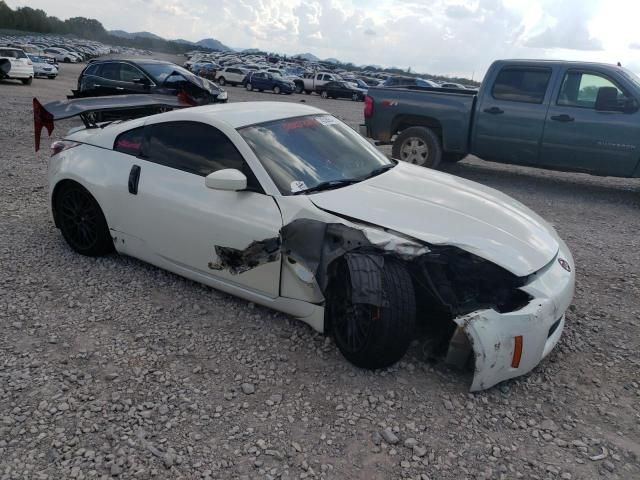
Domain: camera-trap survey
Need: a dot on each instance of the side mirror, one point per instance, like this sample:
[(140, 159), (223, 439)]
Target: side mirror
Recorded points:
[(228, 179), (607, 99)]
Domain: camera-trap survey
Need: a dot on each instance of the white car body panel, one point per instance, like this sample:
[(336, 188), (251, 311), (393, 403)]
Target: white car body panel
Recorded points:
[(21, 68), (44, 69), (176, 222), (445, 210), (230, 77)]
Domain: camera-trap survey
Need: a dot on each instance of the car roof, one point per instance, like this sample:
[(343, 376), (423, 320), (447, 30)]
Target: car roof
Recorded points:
[(242, 114)]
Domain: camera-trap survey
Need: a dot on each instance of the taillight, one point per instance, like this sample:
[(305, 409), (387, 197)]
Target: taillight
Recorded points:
[(368, 107), (61, 145)]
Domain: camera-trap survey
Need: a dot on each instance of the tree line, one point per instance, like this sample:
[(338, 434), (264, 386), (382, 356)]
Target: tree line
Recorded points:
[(37, 21)]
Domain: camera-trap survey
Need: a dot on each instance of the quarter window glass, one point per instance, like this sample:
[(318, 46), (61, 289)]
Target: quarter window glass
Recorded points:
[(580, 89), (130, 142), (192, 147), (526, 85)]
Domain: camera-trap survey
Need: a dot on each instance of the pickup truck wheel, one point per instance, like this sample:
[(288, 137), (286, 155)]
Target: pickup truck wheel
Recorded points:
[(299, 88), (324, 94), (418, 145), (369, 336)]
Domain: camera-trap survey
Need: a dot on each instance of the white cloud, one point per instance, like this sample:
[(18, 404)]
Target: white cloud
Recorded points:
[(435, 36)]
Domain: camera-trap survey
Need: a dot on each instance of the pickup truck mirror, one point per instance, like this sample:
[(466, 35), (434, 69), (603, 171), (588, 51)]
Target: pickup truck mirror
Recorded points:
[(607, 100)]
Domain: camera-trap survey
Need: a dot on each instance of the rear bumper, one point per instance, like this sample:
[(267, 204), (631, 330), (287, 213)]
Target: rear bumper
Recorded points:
[(507, 345)]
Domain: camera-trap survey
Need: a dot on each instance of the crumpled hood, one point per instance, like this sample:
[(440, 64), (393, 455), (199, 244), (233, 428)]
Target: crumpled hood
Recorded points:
[(441, 209)]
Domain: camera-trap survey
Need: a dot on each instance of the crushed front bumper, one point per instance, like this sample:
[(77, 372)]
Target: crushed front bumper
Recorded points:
[(506, 345)]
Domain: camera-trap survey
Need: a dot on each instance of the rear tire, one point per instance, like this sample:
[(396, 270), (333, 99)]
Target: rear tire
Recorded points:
[(27, 81), (81, 221), (418, 145), (324, 94), (368, 336)]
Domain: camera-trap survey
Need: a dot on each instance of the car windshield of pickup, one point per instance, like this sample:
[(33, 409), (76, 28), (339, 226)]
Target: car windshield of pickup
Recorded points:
[(313, 153)]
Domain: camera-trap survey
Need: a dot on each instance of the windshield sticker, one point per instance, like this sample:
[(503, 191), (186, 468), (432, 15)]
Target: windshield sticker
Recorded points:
[(304, 123), (298, 186), (327, 120)]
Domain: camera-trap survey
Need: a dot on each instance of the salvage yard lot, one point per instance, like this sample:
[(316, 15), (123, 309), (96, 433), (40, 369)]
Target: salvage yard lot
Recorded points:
[(113, 367)]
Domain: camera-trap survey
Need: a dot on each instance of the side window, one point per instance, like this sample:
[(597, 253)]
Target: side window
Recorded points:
[(580, 89), (92, 70), (110, 71), (192, 147), (130, 142), (521, 84), (129, 73)]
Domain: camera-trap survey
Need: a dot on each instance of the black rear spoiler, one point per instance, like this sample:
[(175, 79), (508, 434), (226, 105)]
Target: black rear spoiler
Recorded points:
[(121, 106)]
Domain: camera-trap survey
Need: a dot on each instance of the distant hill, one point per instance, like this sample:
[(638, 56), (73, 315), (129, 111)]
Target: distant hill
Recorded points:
[(123, 34), (182, 40), (332, 60), (310, 57), (213, 44)]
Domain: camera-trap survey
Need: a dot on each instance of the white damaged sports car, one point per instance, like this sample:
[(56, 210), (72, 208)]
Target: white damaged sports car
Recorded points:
[(284, 205)]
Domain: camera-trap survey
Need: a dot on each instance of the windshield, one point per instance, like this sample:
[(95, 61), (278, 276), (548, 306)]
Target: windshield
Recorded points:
[(303, 152), (160, 71), (631, 76)]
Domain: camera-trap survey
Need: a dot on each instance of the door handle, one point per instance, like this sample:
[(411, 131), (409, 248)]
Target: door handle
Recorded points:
[(134, 179), (119, 88), (494, 111), (562, 118)]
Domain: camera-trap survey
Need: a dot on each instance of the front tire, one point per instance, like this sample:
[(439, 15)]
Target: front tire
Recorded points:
[(81, 221), (276, 90), (221, 81), (368, 336), (27, 81), (324, 94), (418, 145)]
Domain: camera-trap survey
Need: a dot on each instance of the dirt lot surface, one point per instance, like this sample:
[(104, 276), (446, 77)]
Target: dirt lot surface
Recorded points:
[(113, 368)]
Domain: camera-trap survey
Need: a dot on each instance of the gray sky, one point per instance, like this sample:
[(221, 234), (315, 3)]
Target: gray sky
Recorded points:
[(455, 37)]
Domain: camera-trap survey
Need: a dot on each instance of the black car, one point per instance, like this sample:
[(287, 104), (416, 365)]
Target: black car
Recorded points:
[(342, 90), (124, 77)]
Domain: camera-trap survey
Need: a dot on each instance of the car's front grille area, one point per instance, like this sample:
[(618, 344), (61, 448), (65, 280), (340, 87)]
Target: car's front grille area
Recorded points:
[(554, 327)]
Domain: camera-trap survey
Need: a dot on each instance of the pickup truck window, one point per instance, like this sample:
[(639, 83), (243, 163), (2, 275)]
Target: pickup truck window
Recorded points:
[(521, 84), (580, 89)]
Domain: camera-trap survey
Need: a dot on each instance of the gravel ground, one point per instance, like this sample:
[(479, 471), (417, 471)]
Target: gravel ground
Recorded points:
[(113, 368)]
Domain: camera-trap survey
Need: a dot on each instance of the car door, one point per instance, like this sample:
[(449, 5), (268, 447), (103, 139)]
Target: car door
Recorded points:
[(181, 223), (579, 137), (510, 117), (132, 80), (106, 80)]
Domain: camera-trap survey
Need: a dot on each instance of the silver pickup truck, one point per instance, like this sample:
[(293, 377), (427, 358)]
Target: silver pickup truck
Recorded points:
[(571, 116)]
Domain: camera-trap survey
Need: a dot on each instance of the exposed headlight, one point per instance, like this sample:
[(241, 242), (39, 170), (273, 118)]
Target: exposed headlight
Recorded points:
[(223, 95)]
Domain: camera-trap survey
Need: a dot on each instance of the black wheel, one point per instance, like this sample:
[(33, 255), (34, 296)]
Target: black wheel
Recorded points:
[(67, 60), (418, 145), (368, 336), (355, 97), (221, 81), (299, 87), (27, 81), (81, 221), (276, 90), (324, 94)]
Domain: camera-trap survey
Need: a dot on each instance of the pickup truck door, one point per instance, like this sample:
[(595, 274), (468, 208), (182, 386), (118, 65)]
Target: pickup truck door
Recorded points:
[(509, 120), (578, 136)]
